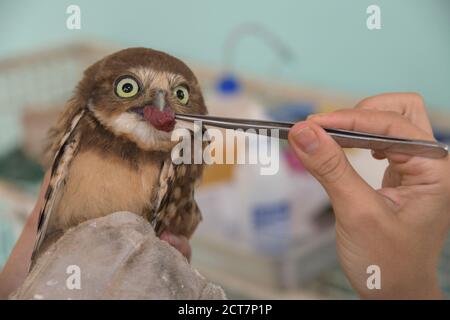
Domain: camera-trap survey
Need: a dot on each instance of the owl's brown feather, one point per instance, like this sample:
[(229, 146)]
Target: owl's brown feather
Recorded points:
[(68, 146), (99, 167), (177, 210)]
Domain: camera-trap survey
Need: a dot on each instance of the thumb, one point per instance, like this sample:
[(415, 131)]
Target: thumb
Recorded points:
[(326, 161)]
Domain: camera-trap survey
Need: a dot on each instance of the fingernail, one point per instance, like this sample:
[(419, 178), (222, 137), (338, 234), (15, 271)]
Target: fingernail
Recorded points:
[(306, 139), (316, 115)]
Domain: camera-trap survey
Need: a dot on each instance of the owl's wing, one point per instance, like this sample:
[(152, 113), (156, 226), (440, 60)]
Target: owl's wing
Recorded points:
[(68, 145), (175, 207)]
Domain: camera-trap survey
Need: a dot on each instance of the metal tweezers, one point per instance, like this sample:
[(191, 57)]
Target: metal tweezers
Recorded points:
[(345, 138)]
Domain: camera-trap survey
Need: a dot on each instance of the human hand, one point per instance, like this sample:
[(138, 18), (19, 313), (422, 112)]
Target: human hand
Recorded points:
[(401, 227)]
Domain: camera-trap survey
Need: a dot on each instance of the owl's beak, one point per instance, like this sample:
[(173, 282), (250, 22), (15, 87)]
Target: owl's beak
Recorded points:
[(159, 100)]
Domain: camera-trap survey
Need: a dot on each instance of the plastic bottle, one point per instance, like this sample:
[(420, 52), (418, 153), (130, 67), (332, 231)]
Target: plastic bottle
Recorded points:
[(261, 210)]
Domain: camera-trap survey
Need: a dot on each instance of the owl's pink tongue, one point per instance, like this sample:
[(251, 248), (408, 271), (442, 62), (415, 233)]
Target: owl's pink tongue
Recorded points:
[(161, 120)]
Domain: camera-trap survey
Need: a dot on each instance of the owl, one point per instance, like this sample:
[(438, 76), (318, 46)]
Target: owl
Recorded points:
[(111, 146)]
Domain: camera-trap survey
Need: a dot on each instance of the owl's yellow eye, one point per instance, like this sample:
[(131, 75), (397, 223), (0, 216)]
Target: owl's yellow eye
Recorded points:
[(126, 87), (182, 94)]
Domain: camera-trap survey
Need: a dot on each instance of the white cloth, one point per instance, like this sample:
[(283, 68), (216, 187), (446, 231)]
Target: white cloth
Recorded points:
[(114, 257)]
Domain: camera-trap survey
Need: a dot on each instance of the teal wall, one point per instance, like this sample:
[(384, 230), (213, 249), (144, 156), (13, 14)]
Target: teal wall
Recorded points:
[(333, 48)]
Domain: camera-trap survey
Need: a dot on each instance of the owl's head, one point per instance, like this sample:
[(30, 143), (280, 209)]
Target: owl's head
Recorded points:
[(135, 92)]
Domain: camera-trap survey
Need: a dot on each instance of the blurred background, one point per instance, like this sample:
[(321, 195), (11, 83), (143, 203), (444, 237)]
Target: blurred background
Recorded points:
[(262, 236)]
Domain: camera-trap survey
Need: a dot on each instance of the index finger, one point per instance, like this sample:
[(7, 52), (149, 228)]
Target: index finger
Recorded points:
[(372, 121), (408, 104)]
